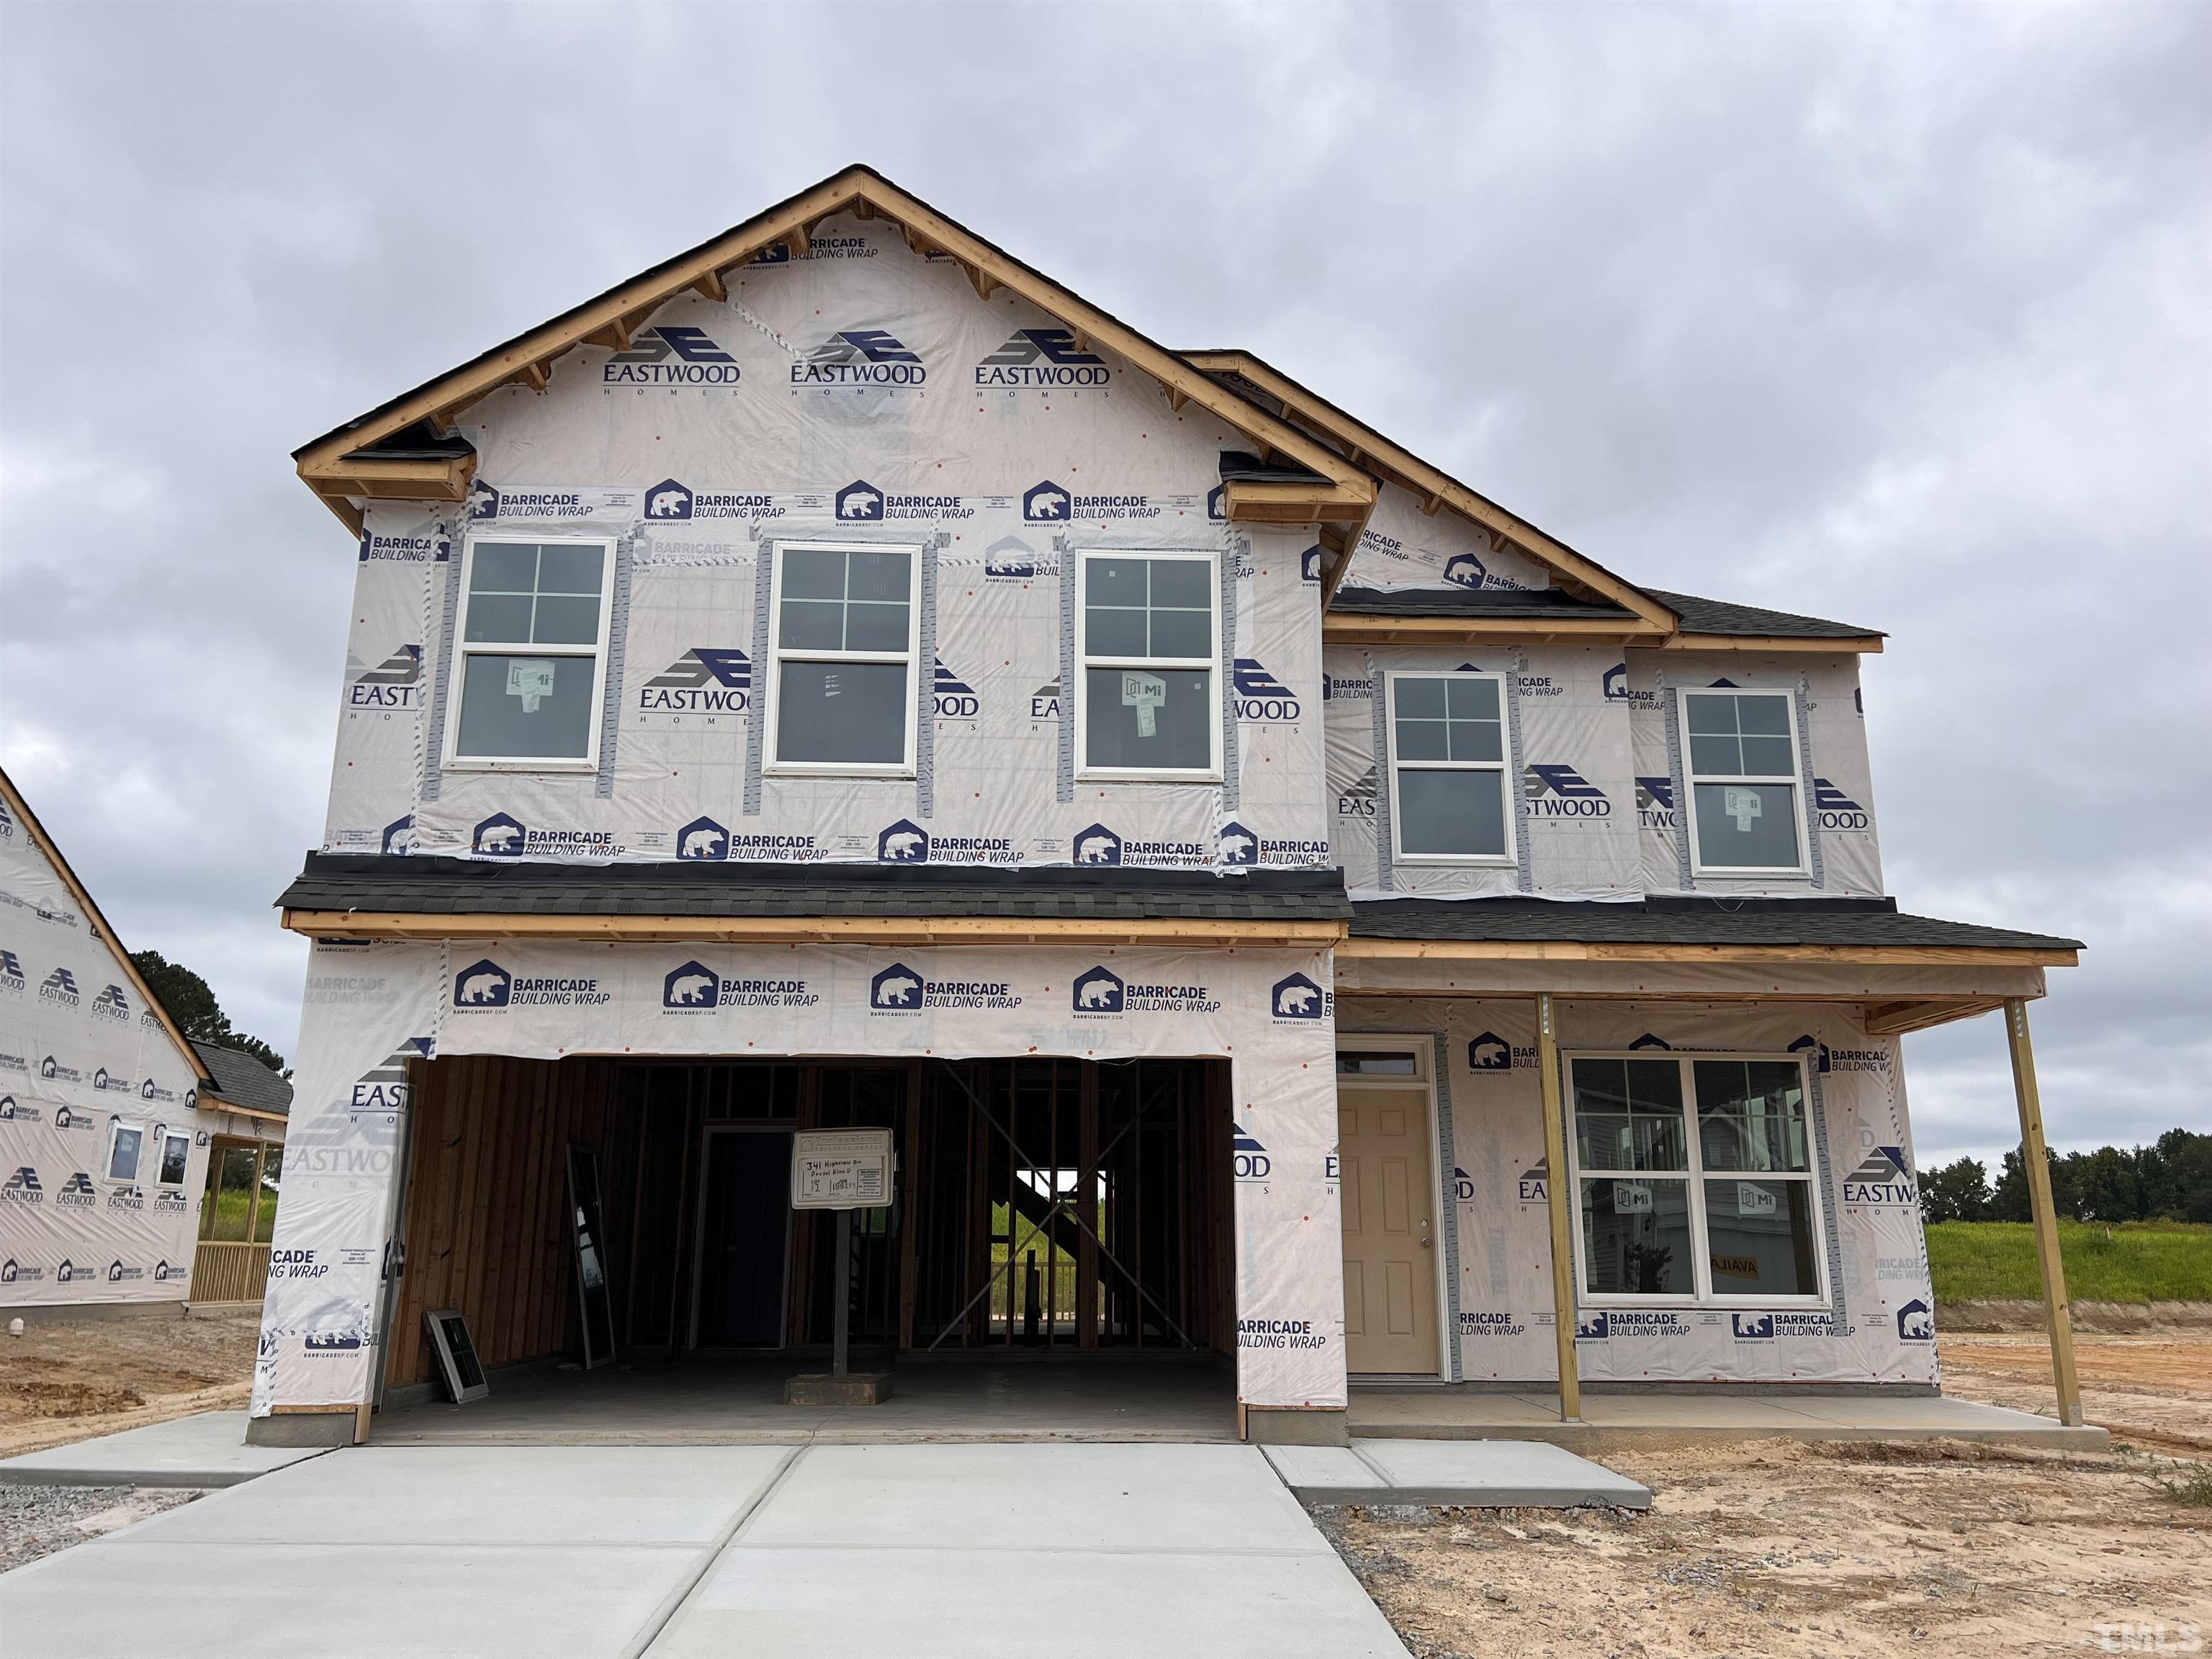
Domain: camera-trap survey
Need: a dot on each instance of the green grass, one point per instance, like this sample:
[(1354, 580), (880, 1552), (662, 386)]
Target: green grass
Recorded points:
[(2138, 1261)]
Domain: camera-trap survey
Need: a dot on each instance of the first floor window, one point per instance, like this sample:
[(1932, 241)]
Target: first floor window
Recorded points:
[(529, 665), (1151, 703), (1694, 1179), (176, 1155), (1447, 769), (125, 1141), (1741, 748), (845, 635)]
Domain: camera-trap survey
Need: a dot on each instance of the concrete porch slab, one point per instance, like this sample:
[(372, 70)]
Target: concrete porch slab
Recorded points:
[(207, 1449), (1477, 1474), (1618, 1421)]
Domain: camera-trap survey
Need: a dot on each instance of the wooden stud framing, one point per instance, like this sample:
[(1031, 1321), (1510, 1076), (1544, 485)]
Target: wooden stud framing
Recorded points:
[(1559, 1189), (2035, 1154)]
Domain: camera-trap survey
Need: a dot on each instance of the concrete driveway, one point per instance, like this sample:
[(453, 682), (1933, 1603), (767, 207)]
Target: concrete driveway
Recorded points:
[(901, 1552)]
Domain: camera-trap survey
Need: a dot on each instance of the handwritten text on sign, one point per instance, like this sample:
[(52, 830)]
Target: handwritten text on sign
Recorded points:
[(841, 1168)]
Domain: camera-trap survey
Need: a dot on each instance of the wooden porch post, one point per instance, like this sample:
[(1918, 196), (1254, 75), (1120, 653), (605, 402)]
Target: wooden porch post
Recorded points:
[(1557, 1189), (2037, 1159)]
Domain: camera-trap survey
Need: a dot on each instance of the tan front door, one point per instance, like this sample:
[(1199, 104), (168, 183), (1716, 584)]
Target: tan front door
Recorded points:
[(1390, 1231)]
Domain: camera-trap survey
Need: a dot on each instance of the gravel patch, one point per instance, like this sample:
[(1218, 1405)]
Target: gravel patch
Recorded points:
[(37, 1520)]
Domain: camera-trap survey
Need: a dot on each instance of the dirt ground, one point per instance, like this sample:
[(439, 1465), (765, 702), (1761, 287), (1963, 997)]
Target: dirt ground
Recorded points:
[(1844, 1549), (64, 1382)]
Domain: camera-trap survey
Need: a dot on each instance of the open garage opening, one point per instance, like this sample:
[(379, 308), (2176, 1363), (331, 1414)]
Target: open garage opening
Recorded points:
[(1057, 1259)]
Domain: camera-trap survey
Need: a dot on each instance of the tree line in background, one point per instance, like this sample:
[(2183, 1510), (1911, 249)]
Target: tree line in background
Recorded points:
[(2168, 1181), (192, 1003)]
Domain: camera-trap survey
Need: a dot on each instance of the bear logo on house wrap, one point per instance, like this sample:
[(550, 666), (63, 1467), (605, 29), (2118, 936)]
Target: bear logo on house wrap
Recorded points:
[(1045, 503), (859, 502), (903, 842), (1298, 997), (1489, 1053), (1238, 845), (703, 838), (897, 986), (500, 837), (668, 500), (694, 985), (1098, 992), (1915, 1323), (1464, 570), (1097, 845), (482, 984)]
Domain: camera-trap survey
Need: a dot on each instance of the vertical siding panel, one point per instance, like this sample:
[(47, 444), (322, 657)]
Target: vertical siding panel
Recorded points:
[(525, 1206)]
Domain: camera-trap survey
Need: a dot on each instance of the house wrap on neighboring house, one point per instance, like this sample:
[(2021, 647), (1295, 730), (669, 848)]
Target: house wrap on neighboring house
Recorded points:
[(110, 1119), (841, 677)]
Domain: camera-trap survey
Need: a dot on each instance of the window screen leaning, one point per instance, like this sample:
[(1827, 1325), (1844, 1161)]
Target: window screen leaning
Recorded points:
[(1742, 754), (1149, 628), (1693, 1180), (529, 663), (1448, 770), (844, 646)]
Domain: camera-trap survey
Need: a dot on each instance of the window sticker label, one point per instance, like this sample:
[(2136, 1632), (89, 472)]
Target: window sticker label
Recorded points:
[(1146, 693), (530, 678), (1742, 805)]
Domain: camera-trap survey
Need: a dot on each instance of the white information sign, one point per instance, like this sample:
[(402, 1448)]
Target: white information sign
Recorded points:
[(1144, 693), (841, 1168)]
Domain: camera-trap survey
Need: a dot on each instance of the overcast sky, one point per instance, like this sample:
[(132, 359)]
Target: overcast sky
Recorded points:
[(1899, 316)]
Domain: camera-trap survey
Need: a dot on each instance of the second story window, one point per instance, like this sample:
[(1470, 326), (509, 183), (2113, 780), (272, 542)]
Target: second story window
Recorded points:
[(1741, 751), (1150, 629), (530, 665), (845, 632), (1448, 770)]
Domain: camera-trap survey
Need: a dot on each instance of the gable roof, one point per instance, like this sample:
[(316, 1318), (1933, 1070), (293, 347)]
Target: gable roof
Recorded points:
[(46, 844), (387, 452), (243, 1081)]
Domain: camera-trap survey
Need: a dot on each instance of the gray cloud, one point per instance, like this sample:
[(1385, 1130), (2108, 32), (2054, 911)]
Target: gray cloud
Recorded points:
[(1895, 315)]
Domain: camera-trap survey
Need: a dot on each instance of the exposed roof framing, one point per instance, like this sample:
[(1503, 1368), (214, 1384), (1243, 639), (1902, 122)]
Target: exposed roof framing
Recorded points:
[(350, 464), (1368, 449), (23, 815)]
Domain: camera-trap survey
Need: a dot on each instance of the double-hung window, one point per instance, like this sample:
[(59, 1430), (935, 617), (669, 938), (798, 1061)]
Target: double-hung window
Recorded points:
[(1693, 1180), (530, 664), (846, 638), (1151, 628), (1449, 802), (1742, 752)]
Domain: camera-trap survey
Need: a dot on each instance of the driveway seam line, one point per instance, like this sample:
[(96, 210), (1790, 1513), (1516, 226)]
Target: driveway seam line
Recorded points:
[(672, 1603)]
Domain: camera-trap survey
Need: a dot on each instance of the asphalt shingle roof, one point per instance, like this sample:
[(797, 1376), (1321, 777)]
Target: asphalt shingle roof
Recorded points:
[(1687, 921), (1471, 602), (451, 886), (243, 1080), (1720, 616)]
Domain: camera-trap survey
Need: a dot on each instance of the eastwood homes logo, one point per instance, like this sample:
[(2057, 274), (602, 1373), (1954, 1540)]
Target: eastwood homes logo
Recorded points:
[(859, 502), (708, 679), (1655, 803), (1560, 792), (1298, 997), (60, 986), (1044, 703), (899, 989), (384, 1087), (501, 836), (1884, 1178), (1044, 359), (671, 355), (956, 700), (77, 1193), (1493, 1052), (111, 1004), (1358, 800), (432, 546), (1247, 1155), (1261, 697), (695, 988), (22, 1187), (860, 357), (395, 682), (12, 980), (1836, 810), (672, 501), (1533, 1184), (1100, 990)]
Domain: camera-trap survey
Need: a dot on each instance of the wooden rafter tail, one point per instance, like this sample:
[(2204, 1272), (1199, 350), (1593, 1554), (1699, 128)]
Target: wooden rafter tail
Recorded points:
[(1354, 535), (615, 336), (711, 286)]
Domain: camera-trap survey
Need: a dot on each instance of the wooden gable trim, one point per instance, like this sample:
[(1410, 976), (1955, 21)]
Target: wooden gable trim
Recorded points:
[(1369, 448), (23, 815), (323, 463), (1869, 644), (1339, 627)]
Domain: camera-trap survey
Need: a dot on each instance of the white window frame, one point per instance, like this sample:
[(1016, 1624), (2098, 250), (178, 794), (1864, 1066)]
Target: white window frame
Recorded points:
[(1687, 808), (1695, 1174), (1507, 780), (771, 686), (162, 1140), (1421, 1085), (107, 1164), (464, 647), (1085, 662)]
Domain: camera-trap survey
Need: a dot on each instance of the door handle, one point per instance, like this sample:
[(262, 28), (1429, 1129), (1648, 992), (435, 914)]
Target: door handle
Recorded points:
[(1427, 1243)]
